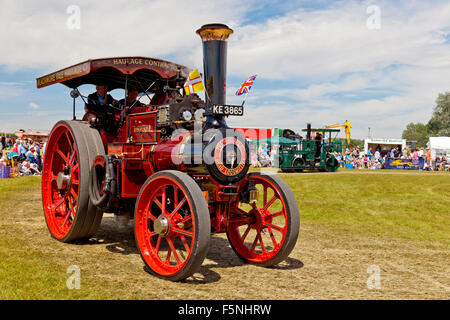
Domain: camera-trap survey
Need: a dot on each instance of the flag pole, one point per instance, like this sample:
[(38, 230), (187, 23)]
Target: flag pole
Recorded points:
[(243, 101), (245, 98)]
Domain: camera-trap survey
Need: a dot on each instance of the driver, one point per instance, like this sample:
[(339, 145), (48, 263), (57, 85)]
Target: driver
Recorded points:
[(318, 143), (98, 100)]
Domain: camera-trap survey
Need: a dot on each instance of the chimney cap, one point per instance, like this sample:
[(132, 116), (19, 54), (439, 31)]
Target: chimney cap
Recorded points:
[(214, 26), (214, 31)]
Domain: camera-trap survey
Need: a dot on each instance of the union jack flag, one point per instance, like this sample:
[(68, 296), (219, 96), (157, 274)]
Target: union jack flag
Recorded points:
[(245, 87)]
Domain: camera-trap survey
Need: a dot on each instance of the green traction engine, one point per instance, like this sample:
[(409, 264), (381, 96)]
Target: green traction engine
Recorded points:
[(310, 153)]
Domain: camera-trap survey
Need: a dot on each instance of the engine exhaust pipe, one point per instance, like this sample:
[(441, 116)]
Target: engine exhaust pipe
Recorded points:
[(308, 131), (214, 37)]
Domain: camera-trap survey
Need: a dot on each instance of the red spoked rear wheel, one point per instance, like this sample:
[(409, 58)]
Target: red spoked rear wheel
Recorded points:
[(65, 175), (265, 232), (172, 225)]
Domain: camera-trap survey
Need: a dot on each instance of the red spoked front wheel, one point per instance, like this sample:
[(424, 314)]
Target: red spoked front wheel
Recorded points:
[(172, 225), (70, 149), (265, 232)]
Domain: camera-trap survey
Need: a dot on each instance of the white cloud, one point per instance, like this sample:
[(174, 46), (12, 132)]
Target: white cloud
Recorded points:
[(382, 79), (34, 105), (38, 36), (326, 43)]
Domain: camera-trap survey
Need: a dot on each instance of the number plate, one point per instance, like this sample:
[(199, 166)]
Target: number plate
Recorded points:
[(228, 110)]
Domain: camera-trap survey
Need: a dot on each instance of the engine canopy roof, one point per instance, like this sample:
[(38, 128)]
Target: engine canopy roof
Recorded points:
[(139, 72)]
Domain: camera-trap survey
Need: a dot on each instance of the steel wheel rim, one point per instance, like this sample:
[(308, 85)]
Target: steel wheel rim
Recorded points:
[(165, 250), (61, 168), (263, 238), (332, 164)]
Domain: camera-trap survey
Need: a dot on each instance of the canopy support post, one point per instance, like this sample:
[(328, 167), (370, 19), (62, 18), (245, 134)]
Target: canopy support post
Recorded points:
[(74, 116)]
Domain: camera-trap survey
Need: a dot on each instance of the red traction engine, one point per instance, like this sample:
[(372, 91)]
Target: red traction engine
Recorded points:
[(178, 174)]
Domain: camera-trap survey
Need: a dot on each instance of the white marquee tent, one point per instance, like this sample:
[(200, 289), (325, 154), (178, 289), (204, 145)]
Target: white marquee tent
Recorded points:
[(439, 146), (387, 144)]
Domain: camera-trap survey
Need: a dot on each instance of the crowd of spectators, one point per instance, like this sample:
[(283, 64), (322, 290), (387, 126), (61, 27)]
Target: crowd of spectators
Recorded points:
[(357, 159), (24, 156), (263, 156)]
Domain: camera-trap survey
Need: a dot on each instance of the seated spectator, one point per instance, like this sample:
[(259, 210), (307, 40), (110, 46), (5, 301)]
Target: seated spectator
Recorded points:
[(437, 163), (339, 159), (378, 165), (25, 168), (32, 156), (443, 163), (34, 169), (366, 161), (360, 162), (264, 160)]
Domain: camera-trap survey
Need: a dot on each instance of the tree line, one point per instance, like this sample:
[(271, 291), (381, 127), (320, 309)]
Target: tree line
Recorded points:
[(437, 126)]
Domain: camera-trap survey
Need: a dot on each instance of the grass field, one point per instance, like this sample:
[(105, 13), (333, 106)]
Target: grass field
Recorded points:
[(352, 221)]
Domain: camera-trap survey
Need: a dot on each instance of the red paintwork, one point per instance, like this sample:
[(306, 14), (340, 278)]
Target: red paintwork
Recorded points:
[(255, 133), (142, 127), (134, 173), (165, 153)]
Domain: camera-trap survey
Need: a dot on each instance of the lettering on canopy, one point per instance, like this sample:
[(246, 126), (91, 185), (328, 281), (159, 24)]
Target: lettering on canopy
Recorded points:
[(125, 65), (129, 65), (62, 75)]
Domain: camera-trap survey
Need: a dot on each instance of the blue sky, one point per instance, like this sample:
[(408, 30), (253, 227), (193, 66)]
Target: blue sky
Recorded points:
[(378, 64)]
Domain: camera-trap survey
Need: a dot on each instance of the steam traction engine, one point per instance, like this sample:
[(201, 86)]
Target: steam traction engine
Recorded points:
[(310, 153), (178, 174)]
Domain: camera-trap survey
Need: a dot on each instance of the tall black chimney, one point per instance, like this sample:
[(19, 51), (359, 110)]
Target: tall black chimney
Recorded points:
[(308, 131), (214, 37)]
